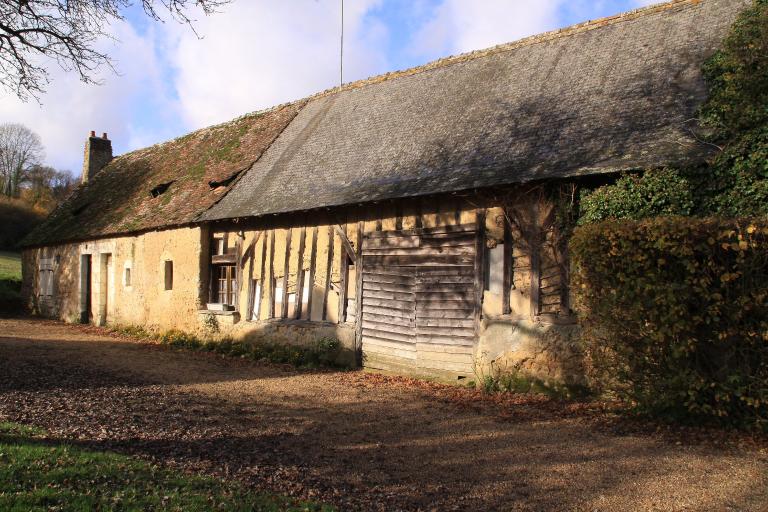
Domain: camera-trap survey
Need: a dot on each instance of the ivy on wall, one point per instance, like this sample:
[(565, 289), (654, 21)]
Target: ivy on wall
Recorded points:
[(735, 181)]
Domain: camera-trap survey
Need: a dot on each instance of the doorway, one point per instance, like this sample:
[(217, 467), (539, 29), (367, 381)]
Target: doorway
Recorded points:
[(86, 315)]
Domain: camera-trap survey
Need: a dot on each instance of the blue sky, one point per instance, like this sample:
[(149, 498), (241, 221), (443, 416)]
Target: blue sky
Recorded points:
[(258, 53)]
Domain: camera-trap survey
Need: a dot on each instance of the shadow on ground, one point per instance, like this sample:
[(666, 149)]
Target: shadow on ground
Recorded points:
[(319, 436)]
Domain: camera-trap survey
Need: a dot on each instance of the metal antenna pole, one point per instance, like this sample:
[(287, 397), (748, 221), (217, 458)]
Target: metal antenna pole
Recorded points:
[(341, 56)]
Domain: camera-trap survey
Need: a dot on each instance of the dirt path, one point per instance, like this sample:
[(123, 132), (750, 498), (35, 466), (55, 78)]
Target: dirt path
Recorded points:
[(331, 437)]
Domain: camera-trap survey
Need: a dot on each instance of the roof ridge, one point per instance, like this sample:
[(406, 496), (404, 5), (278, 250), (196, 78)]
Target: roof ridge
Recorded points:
[(446, 61), (509, 46)]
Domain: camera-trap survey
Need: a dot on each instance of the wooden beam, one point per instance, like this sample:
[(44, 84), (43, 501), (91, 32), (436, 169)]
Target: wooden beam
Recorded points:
[(379, 224), (457, 212), (286, 269), (359, 296), (300, 275), (250, 253), (312, 260), (344, 266), (535, 256), (479, 266), (345, 242), (261, 276), (509, 265), (238, 272), (418, 221), (399, 215), (272, 275), (328, 272)]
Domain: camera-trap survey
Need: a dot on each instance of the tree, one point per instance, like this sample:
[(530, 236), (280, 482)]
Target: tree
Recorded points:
[(20, 150), (46, 187), (36, 32)]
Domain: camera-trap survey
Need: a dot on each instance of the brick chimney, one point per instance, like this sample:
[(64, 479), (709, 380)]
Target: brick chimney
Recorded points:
[(98, 153)]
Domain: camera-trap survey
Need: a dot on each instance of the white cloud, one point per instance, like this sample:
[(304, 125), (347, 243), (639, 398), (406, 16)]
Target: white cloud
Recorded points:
[(459, 26), (70, 108), (261, 53)]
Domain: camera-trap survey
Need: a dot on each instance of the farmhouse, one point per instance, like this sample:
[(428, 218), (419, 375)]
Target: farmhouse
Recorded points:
[(418, 217)]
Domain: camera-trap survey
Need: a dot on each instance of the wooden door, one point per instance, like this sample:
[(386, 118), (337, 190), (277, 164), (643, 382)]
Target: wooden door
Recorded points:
[(445, 312), (389, 317), (419, 299)]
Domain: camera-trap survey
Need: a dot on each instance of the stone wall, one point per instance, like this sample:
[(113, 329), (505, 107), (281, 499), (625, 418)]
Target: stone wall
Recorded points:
[(144, 301)]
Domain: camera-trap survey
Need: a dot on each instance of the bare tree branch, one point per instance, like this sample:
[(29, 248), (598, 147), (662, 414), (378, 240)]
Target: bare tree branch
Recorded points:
[(37, 33)]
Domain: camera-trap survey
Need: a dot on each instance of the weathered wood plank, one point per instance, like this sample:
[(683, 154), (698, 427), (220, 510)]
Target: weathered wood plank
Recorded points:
[(389, 312), (359, 295), (298, 306), (463, 270), (446, 322), (372, 348), (388, 303), (438, 235), (387, 335), (445, 280), (463, 305), (385, 279), (345, 243), (439, 295), (286, 267), (387, 287), (451, 332), (416, 260), (328, 272), (438, 314), (479, 266), (415, 241), (399, 296), (445, 340), (260, 298), (411, 346), (272, 275), (403, 320), (390, 327), (447, 250), (238, 272), (312, 261), (224, 259), (396, 274), (344, 269), (508, 268)]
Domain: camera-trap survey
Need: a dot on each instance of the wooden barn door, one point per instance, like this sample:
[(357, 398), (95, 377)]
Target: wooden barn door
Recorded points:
[(419, 299)]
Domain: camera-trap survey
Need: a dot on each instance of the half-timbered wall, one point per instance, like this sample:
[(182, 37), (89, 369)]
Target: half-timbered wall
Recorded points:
[(426, 290)]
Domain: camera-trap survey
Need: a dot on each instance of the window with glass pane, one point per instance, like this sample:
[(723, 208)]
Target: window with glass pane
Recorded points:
[(226, 284)]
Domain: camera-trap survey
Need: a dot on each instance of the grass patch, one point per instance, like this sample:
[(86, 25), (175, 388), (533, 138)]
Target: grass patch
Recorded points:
[(10, 281), (10, 266), (324, 352), (37, 474)]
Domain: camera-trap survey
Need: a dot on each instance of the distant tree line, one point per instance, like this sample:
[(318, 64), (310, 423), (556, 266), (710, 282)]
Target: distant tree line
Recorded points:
[(29, 190)]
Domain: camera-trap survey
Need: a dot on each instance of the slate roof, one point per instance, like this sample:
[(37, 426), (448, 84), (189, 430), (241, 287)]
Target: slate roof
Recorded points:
[(200, 168), (604, 96)]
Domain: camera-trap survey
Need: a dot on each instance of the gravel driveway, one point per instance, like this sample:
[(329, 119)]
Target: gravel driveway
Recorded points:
[(348, 438)]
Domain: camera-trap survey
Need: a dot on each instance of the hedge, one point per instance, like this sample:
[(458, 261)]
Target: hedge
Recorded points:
[(675, 315)]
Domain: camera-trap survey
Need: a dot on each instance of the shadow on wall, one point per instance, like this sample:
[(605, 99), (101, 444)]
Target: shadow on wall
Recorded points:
[(550, 352)]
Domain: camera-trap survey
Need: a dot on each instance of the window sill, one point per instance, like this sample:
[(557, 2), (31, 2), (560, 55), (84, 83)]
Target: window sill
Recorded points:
[(218, 312)]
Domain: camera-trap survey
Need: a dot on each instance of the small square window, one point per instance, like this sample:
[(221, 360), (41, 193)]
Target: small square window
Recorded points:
[(169, 275)]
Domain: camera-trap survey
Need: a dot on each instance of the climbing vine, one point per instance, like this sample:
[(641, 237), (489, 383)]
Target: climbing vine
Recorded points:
[(734, 182)]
